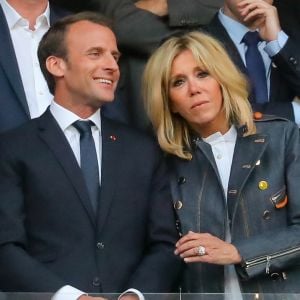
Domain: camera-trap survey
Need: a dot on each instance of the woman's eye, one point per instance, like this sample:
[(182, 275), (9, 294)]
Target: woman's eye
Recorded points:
[(202, 74), (177, 82)]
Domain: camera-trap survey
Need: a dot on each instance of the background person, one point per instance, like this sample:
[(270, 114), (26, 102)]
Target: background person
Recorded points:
[(24, 91), (278, 48)]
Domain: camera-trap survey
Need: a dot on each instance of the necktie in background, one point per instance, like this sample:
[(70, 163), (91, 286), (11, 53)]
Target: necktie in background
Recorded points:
[(255, 67), (89, 161)]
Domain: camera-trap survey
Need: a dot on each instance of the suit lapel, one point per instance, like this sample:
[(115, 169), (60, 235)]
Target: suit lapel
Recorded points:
[(9, 62), (53, 136), (274, 80), (248, 151), (110, 168), (218, 31)]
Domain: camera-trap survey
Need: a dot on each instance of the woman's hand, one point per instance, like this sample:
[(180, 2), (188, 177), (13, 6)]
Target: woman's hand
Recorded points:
[(212, 249)]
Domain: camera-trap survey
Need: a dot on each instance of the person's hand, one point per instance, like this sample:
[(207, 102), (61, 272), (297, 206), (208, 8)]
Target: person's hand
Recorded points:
[(86, 297), (157, 7), (262, 16), (215, 250)]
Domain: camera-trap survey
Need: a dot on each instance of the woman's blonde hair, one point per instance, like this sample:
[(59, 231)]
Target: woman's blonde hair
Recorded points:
[(173, 132)]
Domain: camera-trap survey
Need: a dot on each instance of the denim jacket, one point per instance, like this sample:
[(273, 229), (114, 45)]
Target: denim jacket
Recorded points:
[(263, 205)]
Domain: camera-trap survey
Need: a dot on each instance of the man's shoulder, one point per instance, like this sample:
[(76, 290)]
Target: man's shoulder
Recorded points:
[(133, 145), (24, 133), (127, 135)]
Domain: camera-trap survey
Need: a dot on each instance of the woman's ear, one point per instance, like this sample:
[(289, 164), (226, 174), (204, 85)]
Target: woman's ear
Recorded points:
[(56, 66)]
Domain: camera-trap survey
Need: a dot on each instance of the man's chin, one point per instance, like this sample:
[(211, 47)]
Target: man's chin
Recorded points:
[(103, 101), (108, 100)]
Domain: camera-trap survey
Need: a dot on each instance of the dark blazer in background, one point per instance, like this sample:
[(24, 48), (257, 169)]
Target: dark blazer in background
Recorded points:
[(14, 108), (289, 14), (181, 12), (285, 71), (49, 235)]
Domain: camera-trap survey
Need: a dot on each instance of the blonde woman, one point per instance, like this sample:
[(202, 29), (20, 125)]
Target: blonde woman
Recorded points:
[(235, 181)]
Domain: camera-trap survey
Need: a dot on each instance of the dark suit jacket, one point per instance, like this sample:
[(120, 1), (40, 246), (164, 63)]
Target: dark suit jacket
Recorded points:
[(14, 108), (285, 73), (49, 236), (289, 14)]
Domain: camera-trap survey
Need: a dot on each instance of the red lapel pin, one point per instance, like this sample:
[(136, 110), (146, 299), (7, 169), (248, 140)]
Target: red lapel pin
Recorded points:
[(113, 138)]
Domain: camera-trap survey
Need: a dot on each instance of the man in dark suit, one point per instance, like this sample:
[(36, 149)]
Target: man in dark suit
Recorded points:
[(280, 52), (53, 236), (22, 24)]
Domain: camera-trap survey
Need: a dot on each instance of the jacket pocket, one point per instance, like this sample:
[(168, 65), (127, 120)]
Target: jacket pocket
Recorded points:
[(267, 260), (279, 199)]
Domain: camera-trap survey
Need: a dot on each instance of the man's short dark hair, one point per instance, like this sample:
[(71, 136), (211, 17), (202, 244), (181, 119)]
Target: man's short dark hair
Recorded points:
[(53, 42)]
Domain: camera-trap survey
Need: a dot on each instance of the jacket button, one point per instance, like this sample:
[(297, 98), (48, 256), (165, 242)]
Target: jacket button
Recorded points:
[(275, 276), (96, 281), (100, 245), (181, 180), (263, 185), (266, 215), (232, 192), (274, 65), (178, 205), (293, 60)]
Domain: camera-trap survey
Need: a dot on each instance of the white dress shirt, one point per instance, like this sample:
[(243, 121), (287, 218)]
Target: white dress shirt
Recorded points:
[(223, 148), (25, 42), (236, 31)]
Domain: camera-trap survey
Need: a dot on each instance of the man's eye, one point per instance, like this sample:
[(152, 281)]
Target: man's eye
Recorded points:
[(94, 54)]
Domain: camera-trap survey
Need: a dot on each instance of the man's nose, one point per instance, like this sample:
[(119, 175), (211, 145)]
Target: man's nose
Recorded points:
[(111, 63)]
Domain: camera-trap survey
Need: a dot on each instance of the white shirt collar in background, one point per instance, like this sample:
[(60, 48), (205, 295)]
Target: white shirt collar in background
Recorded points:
[(25, 43)]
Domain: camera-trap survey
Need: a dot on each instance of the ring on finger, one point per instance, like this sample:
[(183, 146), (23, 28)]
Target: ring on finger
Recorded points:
[(201, 250)]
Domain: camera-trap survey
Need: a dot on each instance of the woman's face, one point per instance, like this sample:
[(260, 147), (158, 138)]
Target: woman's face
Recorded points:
[(196, 96)]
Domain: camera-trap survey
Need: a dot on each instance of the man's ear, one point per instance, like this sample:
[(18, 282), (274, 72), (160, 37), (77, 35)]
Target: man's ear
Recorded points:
[(56, 66)]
